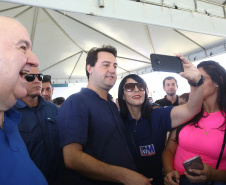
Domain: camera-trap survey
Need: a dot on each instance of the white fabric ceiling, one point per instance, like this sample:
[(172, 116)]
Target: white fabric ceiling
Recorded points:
[(61, 40)]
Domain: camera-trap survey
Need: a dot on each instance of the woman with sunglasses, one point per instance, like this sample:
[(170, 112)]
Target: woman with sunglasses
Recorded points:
[(206, 133), (147, 127)]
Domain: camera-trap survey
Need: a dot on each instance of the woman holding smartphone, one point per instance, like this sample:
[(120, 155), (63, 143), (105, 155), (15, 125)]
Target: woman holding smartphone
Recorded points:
[(146, 127), (203, 135)]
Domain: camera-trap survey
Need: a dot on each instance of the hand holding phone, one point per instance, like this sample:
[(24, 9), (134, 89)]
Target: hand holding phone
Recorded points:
[(166, 63), (193, 163)]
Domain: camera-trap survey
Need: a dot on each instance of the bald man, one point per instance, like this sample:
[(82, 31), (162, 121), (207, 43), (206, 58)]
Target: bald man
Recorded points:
[(16, 60)]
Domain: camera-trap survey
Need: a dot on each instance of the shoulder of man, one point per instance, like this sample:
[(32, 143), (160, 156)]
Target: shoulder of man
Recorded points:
[(159, 100)]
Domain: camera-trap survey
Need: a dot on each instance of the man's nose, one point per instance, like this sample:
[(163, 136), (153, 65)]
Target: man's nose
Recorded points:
[(112, 69), (43, 92), (32, 59), (36, 79)]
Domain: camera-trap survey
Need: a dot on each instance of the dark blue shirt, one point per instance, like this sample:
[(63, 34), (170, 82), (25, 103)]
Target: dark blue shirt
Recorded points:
[(38, 128), (147, 142), (95, 123), (16, 167)]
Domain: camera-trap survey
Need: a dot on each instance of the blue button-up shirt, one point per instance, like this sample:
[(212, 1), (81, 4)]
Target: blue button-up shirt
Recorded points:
[(16, 167)]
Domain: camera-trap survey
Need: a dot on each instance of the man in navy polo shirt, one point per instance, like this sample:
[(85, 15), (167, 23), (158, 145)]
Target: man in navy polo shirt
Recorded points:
[(92, 133)]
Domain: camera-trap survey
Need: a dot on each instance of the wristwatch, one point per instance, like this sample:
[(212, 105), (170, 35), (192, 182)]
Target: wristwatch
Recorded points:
[(200, 82)]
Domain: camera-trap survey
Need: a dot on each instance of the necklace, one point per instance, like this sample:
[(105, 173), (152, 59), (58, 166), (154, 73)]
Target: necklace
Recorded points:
[(212, 128)]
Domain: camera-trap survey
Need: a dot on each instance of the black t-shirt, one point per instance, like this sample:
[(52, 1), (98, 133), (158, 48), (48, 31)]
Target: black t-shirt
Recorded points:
[(164, 102)]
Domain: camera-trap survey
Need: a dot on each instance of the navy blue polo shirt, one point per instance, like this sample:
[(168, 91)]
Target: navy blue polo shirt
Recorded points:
[(16, 166), (38, 128), (95, 123), (147, 142)]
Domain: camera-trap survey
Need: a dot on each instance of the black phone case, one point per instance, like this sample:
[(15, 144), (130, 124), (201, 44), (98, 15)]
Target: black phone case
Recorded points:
[(166, 63), (193, 163)]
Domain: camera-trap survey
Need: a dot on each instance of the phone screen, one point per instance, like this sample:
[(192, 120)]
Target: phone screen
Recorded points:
[(166, 63)]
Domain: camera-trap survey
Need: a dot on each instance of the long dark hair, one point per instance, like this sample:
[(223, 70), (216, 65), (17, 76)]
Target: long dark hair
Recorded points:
[(218, 75), (146, 107)]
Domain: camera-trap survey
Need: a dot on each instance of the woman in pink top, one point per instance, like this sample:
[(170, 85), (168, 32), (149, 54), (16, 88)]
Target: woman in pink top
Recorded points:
[(203, 135)]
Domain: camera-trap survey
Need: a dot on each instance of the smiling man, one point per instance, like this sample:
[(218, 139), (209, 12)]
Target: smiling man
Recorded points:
[(92, 133), (16, 60), (38, 125)]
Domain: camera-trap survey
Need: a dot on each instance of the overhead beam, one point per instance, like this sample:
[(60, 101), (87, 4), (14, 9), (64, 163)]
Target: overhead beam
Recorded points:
[(138, 12)]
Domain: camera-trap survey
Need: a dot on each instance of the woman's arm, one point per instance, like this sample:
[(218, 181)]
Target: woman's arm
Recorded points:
[(183, 113), (168, 160)]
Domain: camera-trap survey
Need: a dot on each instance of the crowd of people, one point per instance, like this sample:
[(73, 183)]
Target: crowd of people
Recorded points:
[(89, 140)]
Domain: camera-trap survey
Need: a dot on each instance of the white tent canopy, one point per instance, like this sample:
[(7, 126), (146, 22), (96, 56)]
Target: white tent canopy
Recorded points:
[(63, 31)]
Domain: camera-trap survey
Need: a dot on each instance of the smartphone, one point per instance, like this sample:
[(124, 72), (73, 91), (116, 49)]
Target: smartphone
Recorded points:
[(193, 163), (166, 63)]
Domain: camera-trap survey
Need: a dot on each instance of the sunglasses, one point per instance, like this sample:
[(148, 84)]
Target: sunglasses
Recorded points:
[(131, 86), (31, 77), (46, 78)]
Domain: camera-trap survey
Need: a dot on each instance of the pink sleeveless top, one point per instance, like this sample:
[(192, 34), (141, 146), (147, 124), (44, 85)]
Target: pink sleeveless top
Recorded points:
[(194, 141)]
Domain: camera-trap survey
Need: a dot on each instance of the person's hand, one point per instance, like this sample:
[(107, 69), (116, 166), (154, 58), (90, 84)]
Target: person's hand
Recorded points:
[(205, 175), (134, 178), (191, 72), (172, 178)]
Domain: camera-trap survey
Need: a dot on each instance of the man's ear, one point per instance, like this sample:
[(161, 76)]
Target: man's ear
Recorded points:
[(163, 88), (89, 69)]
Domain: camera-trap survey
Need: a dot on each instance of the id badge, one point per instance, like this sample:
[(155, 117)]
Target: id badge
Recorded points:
[(147, 150)]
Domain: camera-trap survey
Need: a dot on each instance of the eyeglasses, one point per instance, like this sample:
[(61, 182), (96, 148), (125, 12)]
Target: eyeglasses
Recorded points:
[(131, 86), (46, 78), (31, 77)]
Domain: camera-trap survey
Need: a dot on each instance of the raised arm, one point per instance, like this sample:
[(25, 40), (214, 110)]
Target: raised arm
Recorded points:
[(90, 167), (181, 114), (168, 160)]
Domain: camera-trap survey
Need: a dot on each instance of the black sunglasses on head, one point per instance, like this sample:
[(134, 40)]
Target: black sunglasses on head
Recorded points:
[(46, 78), (131, 86), (31, 77)]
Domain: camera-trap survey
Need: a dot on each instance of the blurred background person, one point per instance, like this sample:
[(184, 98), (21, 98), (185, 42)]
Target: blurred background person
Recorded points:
[(170, 87), (183, 98), (59, 101), (47, 88)]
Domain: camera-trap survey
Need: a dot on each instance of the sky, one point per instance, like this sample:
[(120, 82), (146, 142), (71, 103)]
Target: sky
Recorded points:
[(154, 82)]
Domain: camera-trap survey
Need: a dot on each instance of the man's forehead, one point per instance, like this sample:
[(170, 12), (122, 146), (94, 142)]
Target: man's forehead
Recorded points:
[(8, 27), (105, 54), (170, 81), (46, 84), (34, 70)]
